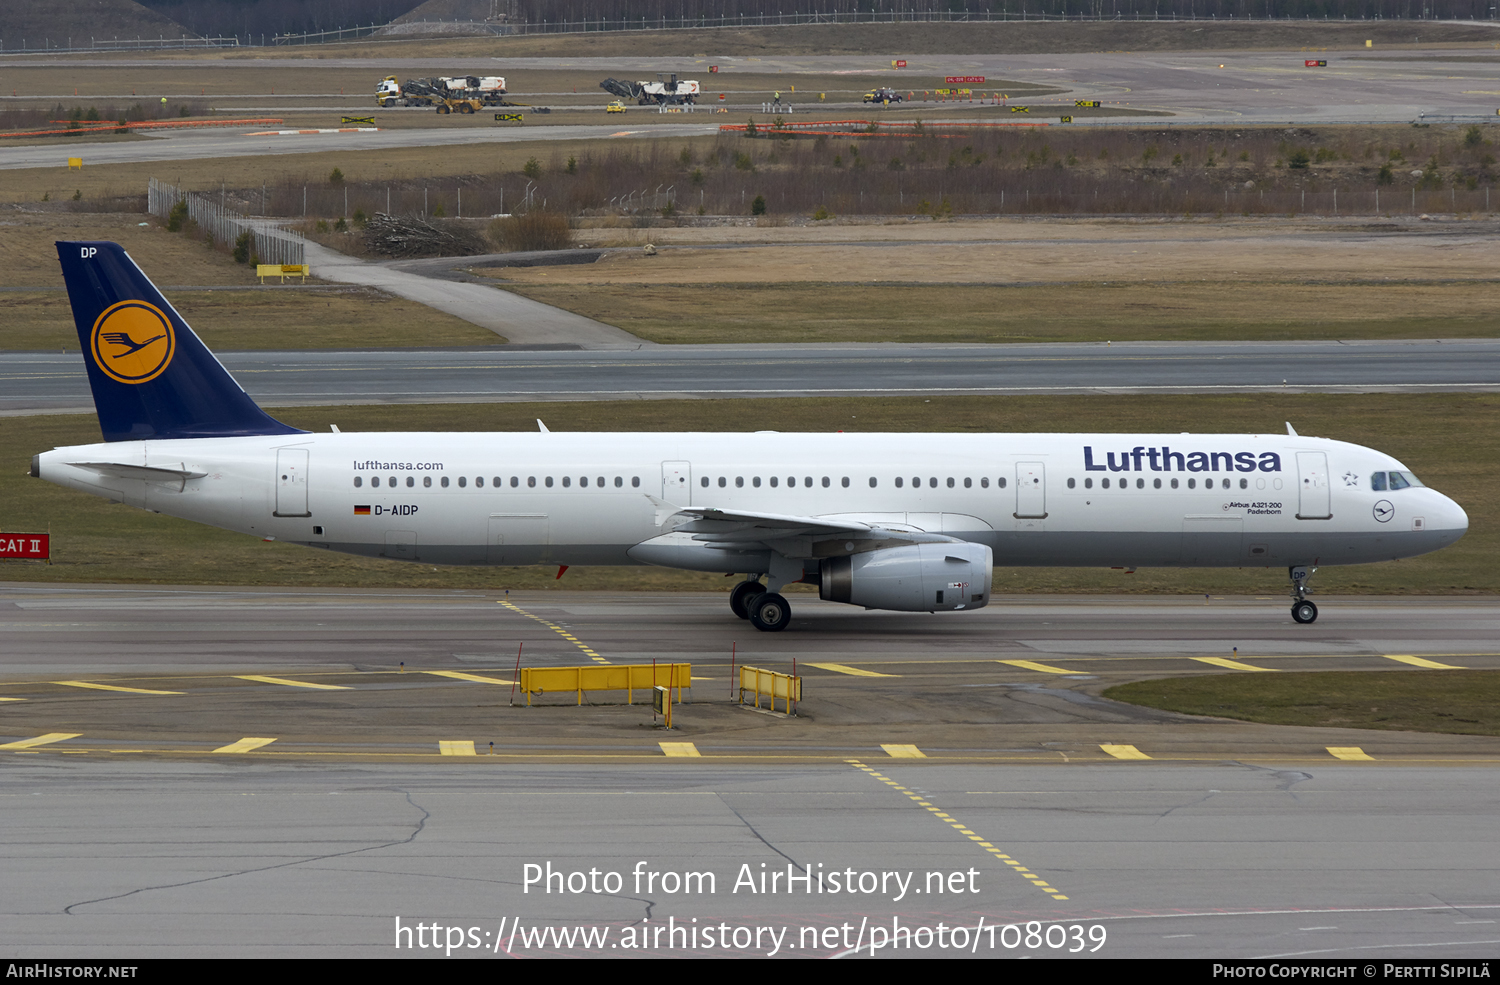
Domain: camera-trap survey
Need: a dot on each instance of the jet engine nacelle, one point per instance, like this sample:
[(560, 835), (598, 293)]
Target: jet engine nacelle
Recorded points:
[(918, 578)]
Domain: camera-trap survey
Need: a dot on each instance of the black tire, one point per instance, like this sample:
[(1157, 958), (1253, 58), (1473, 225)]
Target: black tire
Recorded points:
[(1304, 612), (442, 110), (770, 613), (742, 595)]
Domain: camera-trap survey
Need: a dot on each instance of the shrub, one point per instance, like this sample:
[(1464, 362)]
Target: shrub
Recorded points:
[(572, 165), (758, 207), (335, 177), (242, 246), (822, 213), (1298, 159), (341, 226), (1385, 177), (1473, 136), (533, 169), (536, 230), (177, 216)]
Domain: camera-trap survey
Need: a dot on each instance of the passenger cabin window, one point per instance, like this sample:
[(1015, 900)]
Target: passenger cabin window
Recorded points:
[(567, 481), (984, 483), (463, 481), (873, 482), (1072, 483), (445, 482), (358, 482), (426, 482), (1000, 482), (898, 482), (410, 481)]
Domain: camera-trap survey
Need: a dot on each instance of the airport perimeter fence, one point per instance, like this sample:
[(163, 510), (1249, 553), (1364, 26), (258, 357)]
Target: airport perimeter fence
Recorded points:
[(58, 46), (272, 245)]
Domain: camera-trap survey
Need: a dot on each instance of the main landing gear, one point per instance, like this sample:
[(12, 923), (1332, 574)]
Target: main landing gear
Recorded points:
[(1303, 611), (767, 611)]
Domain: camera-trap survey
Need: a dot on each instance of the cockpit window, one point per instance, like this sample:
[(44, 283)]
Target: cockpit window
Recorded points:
[(1377, 481), (1402, 480)]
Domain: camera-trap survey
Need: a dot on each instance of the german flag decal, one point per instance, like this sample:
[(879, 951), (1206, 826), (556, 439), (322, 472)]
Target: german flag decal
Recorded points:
[(361, 511)]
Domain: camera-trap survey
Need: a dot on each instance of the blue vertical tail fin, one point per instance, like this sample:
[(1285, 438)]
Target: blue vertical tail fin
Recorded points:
[(151, 376)]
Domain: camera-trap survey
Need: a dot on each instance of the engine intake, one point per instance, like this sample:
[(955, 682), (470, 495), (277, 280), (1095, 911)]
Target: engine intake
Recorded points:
[(917, 578)]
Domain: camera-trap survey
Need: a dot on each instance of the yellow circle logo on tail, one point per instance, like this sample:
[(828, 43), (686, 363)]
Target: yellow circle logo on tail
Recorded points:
[(133, 342)]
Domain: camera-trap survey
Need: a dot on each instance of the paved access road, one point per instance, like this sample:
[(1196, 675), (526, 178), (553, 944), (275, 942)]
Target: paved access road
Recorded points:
[(40, 381)]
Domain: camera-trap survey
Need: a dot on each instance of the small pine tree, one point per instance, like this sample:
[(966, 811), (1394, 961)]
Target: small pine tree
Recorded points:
[(335, 177), (533, 169), (242, 248), (572, 165), (758, 207)]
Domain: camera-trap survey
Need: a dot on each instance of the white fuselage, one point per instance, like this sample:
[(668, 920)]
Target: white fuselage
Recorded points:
[(599, 498)]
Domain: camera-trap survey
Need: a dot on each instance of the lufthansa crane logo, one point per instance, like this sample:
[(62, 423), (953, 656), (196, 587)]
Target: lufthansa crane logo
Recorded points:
[(133, 342)]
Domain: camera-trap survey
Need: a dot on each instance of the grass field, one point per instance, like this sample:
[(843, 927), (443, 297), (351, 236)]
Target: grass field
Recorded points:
[(1451, 441), (270, 317), (925, 39), (778, 312), (1465, 702)]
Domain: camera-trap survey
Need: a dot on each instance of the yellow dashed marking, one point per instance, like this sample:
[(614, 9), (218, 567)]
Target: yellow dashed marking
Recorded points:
[(1420, 662), (961, 828), (459, 675), (556, 629), (245, 745), (286, 683), (903, 752), (851, 671), (1349, 752), (41, 740), (679, 749), (1033, 665), (12, 699), (1124, 752), (456, 747), (1230, 664), (112, 687)]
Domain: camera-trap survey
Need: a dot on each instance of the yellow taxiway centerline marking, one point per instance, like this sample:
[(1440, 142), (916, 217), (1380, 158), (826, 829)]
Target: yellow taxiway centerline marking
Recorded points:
[(245, 745), (286, 683), (459, 675), (1350, 753), (40, 740), (1033, 665), (12, 699), (961, 828), (456, 747), (1230, 664), (679, 749), (903, 752), (592, 654), (1420, 662), (112, 687), (852, 671), (1123, 752)]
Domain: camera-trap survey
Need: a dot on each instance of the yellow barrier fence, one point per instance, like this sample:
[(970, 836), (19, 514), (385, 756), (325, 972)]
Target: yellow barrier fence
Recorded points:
[(282, 270), (611, 677), (759, 682)]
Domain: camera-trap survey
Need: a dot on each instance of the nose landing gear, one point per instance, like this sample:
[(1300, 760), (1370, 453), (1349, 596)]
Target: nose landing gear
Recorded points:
[(1303, 610)]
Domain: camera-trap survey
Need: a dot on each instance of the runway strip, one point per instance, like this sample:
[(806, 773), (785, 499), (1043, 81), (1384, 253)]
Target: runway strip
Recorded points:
[(32, 381)]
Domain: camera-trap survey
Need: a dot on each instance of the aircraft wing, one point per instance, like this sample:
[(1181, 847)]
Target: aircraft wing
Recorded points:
[(791, 535)]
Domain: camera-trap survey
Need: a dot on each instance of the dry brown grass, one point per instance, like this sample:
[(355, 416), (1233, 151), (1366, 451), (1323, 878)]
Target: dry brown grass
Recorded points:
[(926, 39), (1089, 312), (252, 318)]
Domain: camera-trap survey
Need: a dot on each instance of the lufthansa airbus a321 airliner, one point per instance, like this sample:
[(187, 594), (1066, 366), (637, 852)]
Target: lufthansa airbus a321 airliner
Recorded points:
[(910, 522)]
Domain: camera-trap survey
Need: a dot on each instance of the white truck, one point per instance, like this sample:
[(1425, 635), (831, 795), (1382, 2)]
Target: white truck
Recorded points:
[(663, 92)]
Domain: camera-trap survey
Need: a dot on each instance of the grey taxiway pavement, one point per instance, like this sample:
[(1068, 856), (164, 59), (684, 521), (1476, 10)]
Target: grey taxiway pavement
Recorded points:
[(33, 381), (143, 823)]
